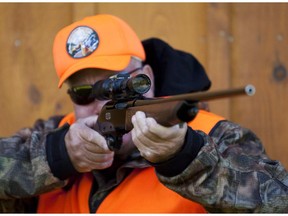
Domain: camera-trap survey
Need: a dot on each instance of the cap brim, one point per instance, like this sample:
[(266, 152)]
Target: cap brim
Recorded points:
[(114, 63)]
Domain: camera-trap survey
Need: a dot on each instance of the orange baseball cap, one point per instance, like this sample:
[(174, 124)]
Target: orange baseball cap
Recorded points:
[(101, 41)]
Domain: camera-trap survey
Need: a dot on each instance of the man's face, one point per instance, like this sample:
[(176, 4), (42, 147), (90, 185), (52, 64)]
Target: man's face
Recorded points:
[(83, 78), (89, 77)]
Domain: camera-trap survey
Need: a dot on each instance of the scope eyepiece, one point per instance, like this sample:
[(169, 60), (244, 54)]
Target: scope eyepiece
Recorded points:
[(139, 84), (121, 86)]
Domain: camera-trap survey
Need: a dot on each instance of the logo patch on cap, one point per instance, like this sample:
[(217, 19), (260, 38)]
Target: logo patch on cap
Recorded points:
[(82, 41)]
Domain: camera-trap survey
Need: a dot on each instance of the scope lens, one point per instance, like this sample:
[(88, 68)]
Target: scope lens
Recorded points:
[(121, 88), (141, 83)]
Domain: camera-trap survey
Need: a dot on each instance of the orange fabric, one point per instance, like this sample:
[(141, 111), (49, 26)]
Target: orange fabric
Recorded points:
[(75, 200), (140, 192), (205, 121), (111, 47), (70, 119)]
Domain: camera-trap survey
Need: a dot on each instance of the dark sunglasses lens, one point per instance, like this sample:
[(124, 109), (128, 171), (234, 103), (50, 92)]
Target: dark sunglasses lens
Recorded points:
[(81, 95)]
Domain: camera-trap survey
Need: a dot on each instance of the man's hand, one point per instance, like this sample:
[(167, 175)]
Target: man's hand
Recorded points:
[(86, 148), (155, 142)]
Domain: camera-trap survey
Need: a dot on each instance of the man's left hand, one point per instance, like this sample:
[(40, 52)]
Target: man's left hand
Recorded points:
[(155, 142)]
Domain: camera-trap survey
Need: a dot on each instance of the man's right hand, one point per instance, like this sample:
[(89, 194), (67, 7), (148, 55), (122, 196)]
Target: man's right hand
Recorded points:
[(86, 148)]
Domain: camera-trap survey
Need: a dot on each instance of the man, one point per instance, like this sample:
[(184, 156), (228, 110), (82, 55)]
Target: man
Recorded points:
[(171, 151), (211, 161)]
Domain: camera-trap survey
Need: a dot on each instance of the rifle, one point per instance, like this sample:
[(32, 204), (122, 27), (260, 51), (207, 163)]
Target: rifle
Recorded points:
[(125, 95)]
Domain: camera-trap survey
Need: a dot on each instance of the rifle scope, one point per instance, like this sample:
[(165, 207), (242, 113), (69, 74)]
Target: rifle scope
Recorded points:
[(121, 86)]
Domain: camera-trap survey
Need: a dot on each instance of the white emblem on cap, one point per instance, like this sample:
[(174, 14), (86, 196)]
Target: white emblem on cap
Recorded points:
[(82, 41)]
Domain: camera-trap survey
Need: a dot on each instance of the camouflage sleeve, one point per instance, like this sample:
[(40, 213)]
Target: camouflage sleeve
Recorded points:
[(232, 173), (24, 171)]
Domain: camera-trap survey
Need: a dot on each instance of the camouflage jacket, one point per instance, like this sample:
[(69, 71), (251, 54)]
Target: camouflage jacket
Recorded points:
[(24, 171), (228, 172), (232, 173)]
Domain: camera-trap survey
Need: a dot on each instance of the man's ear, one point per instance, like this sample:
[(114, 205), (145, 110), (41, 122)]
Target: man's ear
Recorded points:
[(149, 72)]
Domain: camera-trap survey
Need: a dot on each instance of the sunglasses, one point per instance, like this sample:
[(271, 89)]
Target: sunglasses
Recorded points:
[(83, 95)]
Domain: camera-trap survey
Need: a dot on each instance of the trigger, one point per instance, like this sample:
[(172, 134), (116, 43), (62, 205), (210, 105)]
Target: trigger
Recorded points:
[(113, 143)]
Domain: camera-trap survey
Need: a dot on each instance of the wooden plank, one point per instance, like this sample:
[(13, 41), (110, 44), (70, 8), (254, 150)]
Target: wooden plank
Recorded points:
[(82, 10), (28, 78), (260, 57), (220, 41), (182, 25)]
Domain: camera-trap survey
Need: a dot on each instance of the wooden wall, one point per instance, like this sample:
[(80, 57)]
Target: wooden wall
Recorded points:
[(238, 43)]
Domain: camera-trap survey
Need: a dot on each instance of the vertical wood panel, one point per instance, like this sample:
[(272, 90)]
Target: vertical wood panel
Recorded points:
[(219, 54), (182, 25), (81, 10), (261, 34), (28, 79)]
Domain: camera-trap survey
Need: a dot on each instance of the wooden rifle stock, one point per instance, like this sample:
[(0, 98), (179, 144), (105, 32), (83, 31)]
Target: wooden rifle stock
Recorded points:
[(172, 110)]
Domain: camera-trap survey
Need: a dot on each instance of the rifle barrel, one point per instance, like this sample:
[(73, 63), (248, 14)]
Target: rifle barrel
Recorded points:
[(200, 96)]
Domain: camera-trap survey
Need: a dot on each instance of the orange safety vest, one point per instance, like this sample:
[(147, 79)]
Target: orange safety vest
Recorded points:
[(140, 192)]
